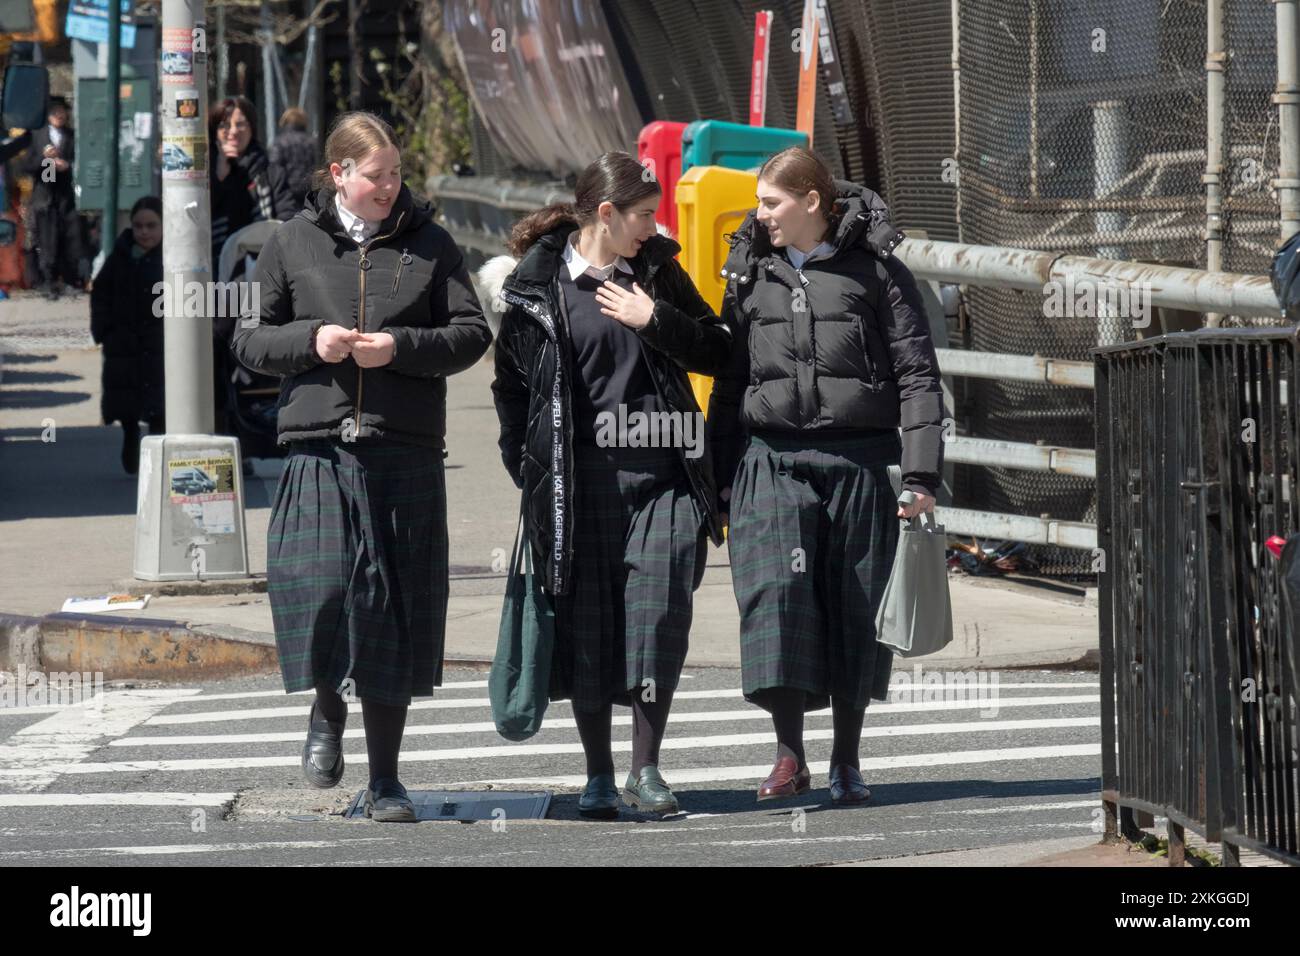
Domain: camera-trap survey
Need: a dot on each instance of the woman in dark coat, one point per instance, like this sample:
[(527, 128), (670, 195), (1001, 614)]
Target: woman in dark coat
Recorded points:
[(124, 321), (366, 308), (246, 187), (833, 354), (601, 326)]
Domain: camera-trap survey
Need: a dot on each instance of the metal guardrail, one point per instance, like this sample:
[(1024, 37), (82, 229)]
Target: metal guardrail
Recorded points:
[(1197, 458)]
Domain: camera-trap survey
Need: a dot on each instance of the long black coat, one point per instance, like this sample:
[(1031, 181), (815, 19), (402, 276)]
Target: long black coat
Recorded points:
[(122, 321), (59, 191), (534, 372)]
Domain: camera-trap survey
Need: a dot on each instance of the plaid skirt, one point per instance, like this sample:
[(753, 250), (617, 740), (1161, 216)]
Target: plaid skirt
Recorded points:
[(357, 568), (639, 550), (812, 540)]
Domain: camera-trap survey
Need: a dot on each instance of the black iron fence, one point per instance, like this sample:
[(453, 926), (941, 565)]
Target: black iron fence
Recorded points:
[(1198, 446)]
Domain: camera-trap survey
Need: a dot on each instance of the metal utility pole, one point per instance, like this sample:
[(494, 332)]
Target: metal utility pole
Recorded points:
[(113, 96), (1287, 99), (1215, 58), (187, 217)]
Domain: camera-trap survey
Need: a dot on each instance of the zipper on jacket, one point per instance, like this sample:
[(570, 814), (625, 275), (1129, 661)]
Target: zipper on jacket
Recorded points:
[(405, 260), (363, 265)]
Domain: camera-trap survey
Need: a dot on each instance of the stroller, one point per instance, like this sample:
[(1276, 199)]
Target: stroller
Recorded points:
[(251, 398)]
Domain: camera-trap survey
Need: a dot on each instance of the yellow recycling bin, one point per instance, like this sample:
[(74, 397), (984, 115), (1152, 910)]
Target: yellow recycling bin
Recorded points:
[(711, 201)]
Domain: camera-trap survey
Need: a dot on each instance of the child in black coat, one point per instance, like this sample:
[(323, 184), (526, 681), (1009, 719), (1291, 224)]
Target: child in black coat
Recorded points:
[(122, 320)]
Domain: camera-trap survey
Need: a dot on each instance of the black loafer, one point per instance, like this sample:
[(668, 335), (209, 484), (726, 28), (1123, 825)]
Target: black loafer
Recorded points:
[(599, 800), (847, 786), (322, 754), (649, 791), (387, 802)]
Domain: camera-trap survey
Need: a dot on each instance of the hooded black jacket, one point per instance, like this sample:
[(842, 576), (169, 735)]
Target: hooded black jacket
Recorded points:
[(535, 369), (122, 320), (848, 350), (409, 280)]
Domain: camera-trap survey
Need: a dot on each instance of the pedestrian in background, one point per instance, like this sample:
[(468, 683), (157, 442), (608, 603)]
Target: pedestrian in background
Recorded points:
[(833, 353), (245, 188), (602, 314), (52, 208), (122, 320), (357, 542), (295, 152)]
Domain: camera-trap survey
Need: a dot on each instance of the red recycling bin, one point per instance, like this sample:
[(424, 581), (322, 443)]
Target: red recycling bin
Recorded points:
[(659, 147)]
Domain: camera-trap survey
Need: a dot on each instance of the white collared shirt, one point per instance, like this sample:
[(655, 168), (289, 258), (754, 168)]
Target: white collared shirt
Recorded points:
[(356, 227), (57, 135), (797, 258), (578, 265)]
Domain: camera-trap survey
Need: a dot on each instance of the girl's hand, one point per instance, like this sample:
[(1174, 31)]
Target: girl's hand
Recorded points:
[(923, 502), (373, 349), (334, 342), (633, 309)]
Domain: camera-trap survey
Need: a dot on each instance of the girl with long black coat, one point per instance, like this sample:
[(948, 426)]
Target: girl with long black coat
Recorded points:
[(601, 325), (124, 323)]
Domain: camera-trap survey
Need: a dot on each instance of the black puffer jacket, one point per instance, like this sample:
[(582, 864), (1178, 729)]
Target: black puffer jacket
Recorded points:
[(534, 369), (122, 321), (839, 346), (409, 280)]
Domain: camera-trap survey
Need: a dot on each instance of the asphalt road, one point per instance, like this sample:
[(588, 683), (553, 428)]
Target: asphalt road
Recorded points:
[(209, 775)]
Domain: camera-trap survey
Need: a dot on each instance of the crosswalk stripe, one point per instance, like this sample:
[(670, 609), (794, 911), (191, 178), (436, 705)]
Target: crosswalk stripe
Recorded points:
[(35, 756), (760, 771), (515, 750), (439, 729), (185, 848), (975, 702), (140, 799)]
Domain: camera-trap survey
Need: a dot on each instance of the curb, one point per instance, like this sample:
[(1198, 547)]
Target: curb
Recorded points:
[(256, 584), (123, 647)]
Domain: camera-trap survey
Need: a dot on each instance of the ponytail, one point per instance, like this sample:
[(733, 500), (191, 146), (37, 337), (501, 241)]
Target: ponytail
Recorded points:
[(537, 224)]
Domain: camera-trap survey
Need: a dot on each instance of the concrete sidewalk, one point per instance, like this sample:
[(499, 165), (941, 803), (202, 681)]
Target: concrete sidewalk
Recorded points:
[(67, 514)]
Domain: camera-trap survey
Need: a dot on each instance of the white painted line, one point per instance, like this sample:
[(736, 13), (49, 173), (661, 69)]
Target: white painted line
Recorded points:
[(115, 799), (974, 702), (759, 772), (1017, 807), (34, 757), (180, 848), (887, 730), (517, 750), (250, 695)]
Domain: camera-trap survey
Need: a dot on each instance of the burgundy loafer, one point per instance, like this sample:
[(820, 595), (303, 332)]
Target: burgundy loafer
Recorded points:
[(787, 779)]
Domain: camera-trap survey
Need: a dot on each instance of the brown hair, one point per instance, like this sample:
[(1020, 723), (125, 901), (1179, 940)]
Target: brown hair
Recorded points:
[(614, 177), (352, 136), (221, 113), (293, 118), (800, 171)]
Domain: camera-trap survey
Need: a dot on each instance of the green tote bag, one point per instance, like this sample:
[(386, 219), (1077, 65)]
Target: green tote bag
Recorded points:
[(520, 678)]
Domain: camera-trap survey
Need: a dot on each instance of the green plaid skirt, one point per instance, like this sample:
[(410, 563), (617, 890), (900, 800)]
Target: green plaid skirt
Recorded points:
[(639, 549), (357, 568), (812, 540)]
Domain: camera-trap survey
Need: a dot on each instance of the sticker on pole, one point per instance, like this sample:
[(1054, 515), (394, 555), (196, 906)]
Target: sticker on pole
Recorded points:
[(184, 157), (205, 490)]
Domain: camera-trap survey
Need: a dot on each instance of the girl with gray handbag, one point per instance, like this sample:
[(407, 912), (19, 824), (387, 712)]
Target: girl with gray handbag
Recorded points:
[(832, 354)]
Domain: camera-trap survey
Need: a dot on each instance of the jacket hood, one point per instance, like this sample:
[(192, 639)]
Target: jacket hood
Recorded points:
[(864, 221), (319, 210)]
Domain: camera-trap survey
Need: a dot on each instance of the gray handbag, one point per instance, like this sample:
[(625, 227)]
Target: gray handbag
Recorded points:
[(915, 616)]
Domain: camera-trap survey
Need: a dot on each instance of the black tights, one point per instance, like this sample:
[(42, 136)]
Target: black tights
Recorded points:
[(649, 721), (786, 705), (384, 724)]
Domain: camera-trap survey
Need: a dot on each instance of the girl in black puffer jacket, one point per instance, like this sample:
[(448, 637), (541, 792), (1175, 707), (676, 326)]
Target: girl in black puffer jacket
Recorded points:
[(366, 308), (832, 355), (123, 321)]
